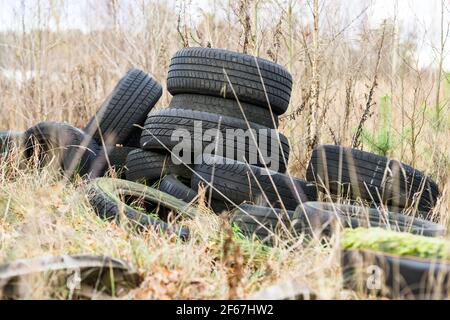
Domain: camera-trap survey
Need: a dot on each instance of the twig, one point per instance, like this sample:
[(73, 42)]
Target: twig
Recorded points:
[(314, 109), (244, 19), (356, 141)]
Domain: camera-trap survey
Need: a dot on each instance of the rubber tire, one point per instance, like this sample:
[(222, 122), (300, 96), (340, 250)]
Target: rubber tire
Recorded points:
[(172, 185), (406, 211), (225, 107), (118, 157), (129, 103), (134, 140), (356, 216), (264, 222), (335, 165), (201, 71), (160, 125), (114, 160), (10, 140), (100, 163), (104, 196), (149, 166), (404, 277), (82, 159), (69, 146), (236, 181)]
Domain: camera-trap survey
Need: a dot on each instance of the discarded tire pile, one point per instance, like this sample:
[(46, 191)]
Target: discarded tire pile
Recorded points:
[(219, 137), (219, 92)]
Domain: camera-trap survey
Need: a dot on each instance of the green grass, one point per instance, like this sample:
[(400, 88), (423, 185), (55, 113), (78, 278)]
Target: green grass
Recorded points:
[(382, 141), (402, 244)]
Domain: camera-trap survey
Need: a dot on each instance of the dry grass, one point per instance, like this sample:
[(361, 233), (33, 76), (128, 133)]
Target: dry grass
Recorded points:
[(42, 215), (341, 69)]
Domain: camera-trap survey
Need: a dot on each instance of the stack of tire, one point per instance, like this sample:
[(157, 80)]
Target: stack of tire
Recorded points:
[(216, 91), (382, 193)]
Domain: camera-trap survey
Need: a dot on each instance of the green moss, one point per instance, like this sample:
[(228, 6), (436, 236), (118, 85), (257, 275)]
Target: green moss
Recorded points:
[(398, 243)]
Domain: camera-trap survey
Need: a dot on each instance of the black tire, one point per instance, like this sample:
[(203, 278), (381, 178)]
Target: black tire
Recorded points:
[(106, 196), (406, 211), (69, 148), (202, 71), (178, 187), (82, 159), (118, 156), (149, 166), (162, 124), (101, 161), (236, 180), (114, 159), (357, 216), (10, 140), (130, 102), (172, 185), (134, 140), (403, 277), (264, 222), (226, 107), (367, 176)]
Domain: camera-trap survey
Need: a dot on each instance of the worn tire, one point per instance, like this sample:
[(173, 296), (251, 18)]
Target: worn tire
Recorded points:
[(149, 166), (118, 156), (162, 124), (114, 159), (406, 211), (225, 107), (236, 180), (103, 160), (129, 103), (172, 185), (82, 159), (404, 277), (106, 197), (202, 71), (10, 140), (357, 216), (134, 140), (367, 176), (265, 222), (175, 186), (69, 147)]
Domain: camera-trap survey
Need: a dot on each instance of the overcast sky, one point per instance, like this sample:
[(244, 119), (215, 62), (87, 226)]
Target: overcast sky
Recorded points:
[(420, 16)]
